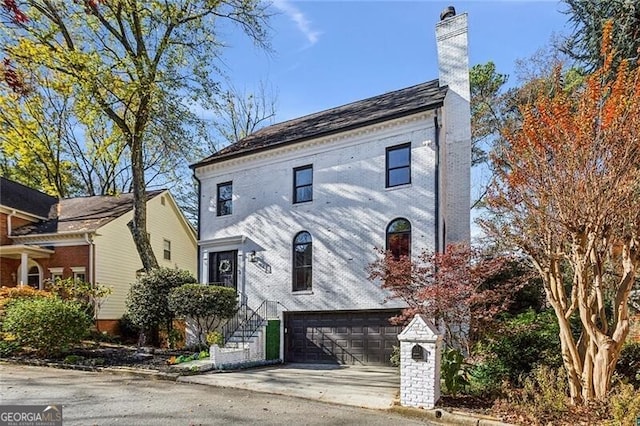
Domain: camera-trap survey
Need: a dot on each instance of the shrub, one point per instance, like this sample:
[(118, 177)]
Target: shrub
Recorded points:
[(624, 404), (628, 367), (215, 338), (90, 296), (205, 305), (10, 294), (48, 325), (543, 394), (521, 344), (129, 332), (147, 302)]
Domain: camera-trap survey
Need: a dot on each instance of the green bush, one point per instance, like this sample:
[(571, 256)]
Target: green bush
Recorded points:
[(205, 305), (521, 344), (48, 325), (628, 367), (544, 393), (147, 302), (624, 404)]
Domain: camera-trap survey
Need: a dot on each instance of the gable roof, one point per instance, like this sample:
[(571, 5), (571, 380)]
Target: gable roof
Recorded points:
[(20, 197), (83, 214), (399, 103)]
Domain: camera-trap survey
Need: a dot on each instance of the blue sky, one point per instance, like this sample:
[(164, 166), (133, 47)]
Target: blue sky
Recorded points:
[(328, 53)]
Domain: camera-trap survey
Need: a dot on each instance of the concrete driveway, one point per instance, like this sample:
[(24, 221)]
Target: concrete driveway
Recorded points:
[(368, 387)]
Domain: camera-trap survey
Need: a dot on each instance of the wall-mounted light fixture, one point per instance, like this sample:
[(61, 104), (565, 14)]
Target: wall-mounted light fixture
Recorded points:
[(252, 256)]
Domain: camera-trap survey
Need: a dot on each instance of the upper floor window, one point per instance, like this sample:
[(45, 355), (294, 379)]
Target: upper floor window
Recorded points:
[(167, 249), (225, 192), (302, 261), (303, 184), (398, 165), (399, 237)]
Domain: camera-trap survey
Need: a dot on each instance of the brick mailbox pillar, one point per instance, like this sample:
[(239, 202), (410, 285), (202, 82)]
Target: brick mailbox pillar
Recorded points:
[(420, 353)]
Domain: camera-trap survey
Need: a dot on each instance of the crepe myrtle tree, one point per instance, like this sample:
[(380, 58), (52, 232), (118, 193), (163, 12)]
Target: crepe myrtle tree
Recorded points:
[(568, 195)]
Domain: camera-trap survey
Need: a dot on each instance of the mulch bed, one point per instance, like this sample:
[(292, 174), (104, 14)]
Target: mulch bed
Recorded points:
[(105, 355)]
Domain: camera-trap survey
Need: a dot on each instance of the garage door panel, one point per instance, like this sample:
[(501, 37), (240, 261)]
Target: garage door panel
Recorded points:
[(340, 337)]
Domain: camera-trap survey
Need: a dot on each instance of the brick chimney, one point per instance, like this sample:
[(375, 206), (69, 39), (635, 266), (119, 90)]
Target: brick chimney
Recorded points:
[(455, 136)]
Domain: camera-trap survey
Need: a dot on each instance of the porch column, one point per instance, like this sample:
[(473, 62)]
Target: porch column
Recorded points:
[(24, 267)]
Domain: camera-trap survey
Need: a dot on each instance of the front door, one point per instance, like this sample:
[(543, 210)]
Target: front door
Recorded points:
[(222, 268)]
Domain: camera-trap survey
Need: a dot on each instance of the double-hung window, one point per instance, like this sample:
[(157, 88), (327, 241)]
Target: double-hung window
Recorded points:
[(398, 165), (225, 193), (167, 249), (303, 184)]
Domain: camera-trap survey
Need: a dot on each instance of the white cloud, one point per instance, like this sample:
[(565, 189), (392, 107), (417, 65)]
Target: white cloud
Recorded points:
[(301, 21)]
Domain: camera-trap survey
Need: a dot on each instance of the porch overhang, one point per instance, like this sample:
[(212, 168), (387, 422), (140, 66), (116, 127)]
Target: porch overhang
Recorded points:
[(16, 251)]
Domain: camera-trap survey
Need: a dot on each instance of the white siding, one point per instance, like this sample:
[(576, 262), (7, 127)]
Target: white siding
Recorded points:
[(117, 259), (347, 218)]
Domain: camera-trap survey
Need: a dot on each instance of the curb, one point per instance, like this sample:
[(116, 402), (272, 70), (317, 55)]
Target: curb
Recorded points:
[(443, 417)]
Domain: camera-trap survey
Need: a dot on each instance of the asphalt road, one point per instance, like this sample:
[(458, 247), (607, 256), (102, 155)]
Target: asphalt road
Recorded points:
[(110, 399)]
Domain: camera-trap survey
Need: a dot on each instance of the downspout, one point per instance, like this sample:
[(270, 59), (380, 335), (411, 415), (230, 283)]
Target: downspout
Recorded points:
[(199, 262), (436, 191), (89, 241), (9, 223)]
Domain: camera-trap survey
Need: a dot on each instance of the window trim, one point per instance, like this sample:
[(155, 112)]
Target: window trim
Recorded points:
[(407, 232), (296, 186), (307, 268), (387, 169), (219, 201)]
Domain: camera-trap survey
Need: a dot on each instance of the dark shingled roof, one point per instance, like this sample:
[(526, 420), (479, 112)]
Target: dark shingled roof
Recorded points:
[(410, 100), (83, 214), (17, 196)]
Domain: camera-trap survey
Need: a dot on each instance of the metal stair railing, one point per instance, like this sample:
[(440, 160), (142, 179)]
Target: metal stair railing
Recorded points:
[(247, 322)]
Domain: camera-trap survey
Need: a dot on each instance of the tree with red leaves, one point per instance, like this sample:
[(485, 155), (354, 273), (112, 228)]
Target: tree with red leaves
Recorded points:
[(462, 290), (568, 195)]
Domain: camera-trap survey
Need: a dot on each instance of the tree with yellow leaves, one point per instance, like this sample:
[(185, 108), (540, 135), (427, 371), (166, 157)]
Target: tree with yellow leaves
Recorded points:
[(140, 65)]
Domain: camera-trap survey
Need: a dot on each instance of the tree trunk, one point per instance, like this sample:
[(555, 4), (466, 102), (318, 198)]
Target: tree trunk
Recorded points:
[(138, 226)]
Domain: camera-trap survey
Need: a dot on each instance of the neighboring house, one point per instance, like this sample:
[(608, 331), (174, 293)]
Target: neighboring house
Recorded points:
[(87, 238), (293, 212)]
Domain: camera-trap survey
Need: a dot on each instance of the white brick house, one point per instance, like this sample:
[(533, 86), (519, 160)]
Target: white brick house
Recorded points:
[(292, 213)]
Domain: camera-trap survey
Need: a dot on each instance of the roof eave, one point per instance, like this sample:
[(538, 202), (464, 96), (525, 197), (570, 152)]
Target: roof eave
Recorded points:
[(242, 153)]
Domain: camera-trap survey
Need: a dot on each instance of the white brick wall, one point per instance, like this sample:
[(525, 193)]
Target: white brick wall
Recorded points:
[(420, 379), (347, 218), (251, 351), (455, 149)]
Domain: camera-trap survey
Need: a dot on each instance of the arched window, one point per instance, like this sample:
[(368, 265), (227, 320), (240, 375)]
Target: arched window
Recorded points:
[(302, 261), (399, 237)]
